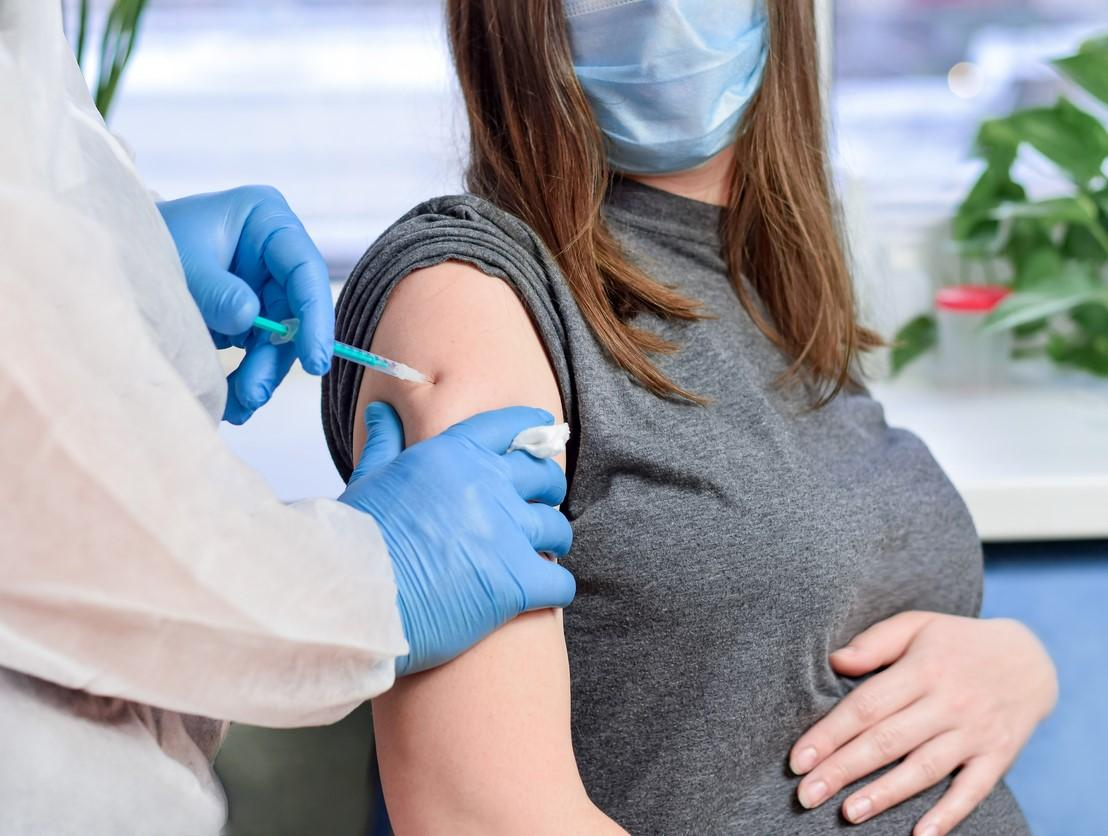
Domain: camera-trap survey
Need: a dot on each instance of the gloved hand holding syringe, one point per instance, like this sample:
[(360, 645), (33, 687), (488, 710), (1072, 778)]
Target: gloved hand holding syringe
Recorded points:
[(246, 253), (285, 331)]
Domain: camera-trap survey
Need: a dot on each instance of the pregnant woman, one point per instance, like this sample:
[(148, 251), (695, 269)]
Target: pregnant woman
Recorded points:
[(775, 629)]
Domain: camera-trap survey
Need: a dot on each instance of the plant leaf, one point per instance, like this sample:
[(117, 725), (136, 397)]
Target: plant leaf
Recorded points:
[(1038, 265), (1090, 354), (1101, 199), (994, 187), (1089, 67), (1025, 242), (913, 340), (997, 142), (1075, 286), (1087, 348), (1057, 210), (1081, 244), (121, 32), (1066, 135), (1079, 210), (1030, 329), (1092, 318)]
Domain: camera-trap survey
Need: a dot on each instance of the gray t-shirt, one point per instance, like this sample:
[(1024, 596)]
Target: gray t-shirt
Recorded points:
[(721, 552)]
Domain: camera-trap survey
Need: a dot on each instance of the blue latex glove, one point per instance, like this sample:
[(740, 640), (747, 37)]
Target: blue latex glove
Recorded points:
[(463, 538), (245, 253)]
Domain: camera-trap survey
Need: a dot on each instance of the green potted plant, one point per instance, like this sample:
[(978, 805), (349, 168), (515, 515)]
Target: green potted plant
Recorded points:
[(1053, 253), (117, 45)]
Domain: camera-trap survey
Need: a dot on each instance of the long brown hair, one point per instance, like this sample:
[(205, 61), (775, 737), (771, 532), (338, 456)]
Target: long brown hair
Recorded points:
[(537, 152)]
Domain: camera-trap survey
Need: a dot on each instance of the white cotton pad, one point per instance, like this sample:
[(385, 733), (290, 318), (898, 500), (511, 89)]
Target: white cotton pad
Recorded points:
[(542, 442)]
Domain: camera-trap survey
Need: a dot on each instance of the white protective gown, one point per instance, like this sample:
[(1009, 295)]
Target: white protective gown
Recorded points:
[(138, 557)]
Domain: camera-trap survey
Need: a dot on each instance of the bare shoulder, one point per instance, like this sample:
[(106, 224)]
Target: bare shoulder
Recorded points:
[(472, 335)]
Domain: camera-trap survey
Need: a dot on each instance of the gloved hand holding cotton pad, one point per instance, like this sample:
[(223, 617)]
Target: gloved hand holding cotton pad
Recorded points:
[(543, 442)]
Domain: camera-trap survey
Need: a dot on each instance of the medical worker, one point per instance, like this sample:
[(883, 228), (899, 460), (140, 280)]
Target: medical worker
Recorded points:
[(148, 579)]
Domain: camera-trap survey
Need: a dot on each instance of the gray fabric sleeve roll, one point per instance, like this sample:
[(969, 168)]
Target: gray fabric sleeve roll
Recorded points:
[(459, 228)]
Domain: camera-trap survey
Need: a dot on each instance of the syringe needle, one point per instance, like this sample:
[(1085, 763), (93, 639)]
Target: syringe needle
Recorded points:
[(283, 332)]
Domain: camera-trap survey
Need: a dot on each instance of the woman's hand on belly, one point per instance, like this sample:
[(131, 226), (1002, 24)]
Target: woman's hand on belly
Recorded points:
[(958, 693)]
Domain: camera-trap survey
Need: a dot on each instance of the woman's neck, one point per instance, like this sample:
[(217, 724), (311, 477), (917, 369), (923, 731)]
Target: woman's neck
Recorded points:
[(708, 183)]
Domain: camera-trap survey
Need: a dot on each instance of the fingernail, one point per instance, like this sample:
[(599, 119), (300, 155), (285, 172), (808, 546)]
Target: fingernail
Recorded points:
[(844, 651), (813, 794), (858, 809), (930, 830), (804, 760), (258, 398)]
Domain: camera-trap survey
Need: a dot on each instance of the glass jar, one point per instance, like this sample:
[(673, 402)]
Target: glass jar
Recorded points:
[(969, 356)]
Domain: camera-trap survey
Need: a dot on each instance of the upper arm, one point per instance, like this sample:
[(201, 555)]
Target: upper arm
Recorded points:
[(482, 743), (468, 332)]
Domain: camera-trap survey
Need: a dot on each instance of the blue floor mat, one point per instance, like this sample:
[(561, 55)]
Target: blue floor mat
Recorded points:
[(1060, 590)]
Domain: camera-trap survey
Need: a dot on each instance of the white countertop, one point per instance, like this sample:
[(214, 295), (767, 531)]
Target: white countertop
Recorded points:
[(1030, 458)]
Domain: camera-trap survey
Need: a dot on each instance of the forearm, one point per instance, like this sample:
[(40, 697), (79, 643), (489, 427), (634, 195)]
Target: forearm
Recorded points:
[(538, 819), (538, 814)]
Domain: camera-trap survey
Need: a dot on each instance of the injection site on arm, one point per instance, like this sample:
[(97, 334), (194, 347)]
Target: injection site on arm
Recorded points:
[(285, 331)]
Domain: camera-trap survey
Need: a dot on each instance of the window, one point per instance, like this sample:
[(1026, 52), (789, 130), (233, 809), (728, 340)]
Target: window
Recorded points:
[(347, 107), (350, 108), (912, 81)]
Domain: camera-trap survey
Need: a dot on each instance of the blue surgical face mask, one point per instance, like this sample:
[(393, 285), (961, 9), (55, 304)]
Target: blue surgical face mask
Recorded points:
[(669, 80)]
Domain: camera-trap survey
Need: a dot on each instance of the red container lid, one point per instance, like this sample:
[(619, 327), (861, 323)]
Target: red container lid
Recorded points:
[(970, 298)]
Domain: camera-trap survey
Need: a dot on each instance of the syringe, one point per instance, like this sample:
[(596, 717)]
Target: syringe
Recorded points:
[(284, 331)]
